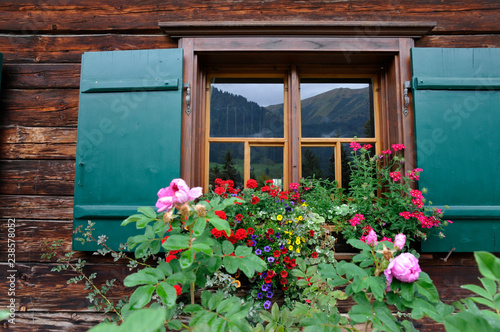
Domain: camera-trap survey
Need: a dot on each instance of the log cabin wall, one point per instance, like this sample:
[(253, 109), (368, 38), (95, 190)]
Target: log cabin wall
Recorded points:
[(42, 43)]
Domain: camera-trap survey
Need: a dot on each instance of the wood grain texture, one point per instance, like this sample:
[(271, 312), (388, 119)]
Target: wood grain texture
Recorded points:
[(37, 177), (42, 44)]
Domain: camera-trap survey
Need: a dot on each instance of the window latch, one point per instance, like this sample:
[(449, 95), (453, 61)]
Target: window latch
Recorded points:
[(188, 97), (406, 98)]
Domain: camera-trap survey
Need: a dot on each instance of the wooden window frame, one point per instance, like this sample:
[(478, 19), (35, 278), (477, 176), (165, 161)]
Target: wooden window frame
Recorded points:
[(385, 44)]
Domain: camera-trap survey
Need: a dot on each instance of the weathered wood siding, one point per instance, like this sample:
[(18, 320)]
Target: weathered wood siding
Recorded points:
[(42, 43)]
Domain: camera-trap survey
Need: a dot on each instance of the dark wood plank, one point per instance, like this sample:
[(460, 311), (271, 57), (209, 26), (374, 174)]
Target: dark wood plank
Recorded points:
[(36, 207), (37, 177), (486, 40), (38, 151), (69, 48), (37, 135), (41, 76), (41, 107)]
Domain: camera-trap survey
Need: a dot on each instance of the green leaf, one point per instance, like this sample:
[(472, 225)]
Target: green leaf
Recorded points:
[(428, 290), (174, 325), (358, 244), (141, 296), (385, 316), (488, 265), (215, 299), (132, 218), (478, 290), (242, 251), (220, 224), (227, 248), (165, 268), (176, 242), (147, 211), (467, 321), (489, 285), (199, 226), (192, 308), (361, 313), (231, 264), (105, 327), (228, 304), (203, 247), (144, 320), (496, 300), (377, 286), (205, 297), (408, 290), (167, 294), (139, 278), (186, 259), (327, 270)]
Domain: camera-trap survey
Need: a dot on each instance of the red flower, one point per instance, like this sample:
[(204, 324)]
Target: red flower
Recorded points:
[(221, 214), (255, 200), (283, 196), (178, 289), (284, 274), (220, 190), (283, 281), (270, 231), (268, 280), (250, 230), (276, 253), (284, 251), (170, 257), (265, 189), (251, 184), (164, 239), (311, 233), (239, 217), (284, 288), (241, 234), (269, 181), (314, 254), (216, 233)]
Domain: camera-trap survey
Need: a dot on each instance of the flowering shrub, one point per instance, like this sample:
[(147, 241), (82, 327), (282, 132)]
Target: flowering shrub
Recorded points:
[(280, 226), (381, 197)]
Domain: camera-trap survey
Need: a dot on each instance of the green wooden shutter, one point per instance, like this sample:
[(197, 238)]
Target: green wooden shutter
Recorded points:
[(129, 137), (456, 96)]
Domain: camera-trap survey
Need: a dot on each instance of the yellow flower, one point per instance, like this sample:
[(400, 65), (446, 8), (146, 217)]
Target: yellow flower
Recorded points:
[(279, 217), (297, 241), (298, 250), (237, 282), (299, 218), (289, 221), (288, 241), (290, 248), (304, 204)]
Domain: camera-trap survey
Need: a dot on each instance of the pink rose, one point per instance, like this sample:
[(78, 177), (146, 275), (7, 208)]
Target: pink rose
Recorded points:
[(177, 193), (404, 267), (399, 241), (371, 238)]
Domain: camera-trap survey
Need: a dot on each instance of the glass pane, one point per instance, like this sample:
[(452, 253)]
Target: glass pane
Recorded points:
[(266, 163), (331, 109), (246, 107), (318, 162), (226, 162)]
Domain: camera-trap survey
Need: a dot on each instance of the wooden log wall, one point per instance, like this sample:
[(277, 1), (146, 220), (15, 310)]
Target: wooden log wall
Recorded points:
[(42, 43)]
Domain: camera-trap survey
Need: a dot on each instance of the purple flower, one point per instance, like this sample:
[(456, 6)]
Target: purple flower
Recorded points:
[(253, 236), (269, 295), (177, 193), (270, 259), (267, 248), (258, 252), (404, 267), (254, 243), (264, 288), (277, 235), (259, 295), (399, 241), (267, 304)]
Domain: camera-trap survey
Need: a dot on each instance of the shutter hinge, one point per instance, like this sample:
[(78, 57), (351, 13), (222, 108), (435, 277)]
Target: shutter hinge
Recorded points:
[(188, 97), (407, 86)]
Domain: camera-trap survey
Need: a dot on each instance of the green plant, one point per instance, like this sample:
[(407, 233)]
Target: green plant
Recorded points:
[(382, 198), (470, 317)]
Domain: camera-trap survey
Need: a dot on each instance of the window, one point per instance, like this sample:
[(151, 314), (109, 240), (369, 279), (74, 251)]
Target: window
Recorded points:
[(250, 123)]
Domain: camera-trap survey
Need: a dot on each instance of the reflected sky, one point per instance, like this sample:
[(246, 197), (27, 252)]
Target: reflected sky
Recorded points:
[(272, 94)]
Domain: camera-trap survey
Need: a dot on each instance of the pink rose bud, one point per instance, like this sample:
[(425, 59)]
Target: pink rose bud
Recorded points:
[(399, 241), (371, 238), (404, 267)]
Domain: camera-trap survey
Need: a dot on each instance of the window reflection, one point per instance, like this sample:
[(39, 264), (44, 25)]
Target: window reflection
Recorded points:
[(226, 162), (318, 162), (331, 109), (246, 107), (266, 163)]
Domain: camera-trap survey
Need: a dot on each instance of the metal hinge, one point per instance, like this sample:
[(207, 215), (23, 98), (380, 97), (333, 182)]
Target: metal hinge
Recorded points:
[(188, 97), (406, 98)]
